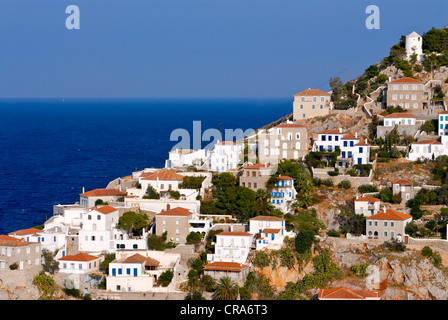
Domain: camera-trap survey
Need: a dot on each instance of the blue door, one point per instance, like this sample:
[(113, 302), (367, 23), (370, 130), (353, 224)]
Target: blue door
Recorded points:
[(135, 272)]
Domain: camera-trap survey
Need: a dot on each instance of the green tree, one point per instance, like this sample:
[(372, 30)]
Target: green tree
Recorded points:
[(49, 265), (133, 222), (165, 278), (226, 289), (45, 285), (428, 126), (151, 193), (304, 241)]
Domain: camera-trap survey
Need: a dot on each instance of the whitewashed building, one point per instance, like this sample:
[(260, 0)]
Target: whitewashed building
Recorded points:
[(426, 149), (271, 231), (283, 194), (225, 156), (367, 206), (231, 246), (185, 158)]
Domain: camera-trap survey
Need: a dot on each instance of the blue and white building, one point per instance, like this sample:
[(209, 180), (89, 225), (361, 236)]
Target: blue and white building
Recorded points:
[(283, 194)]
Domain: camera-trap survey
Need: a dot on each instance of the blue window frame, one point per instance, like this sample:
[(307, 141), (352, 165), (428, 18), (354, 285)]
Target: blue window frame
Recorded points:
[(343, 154), (351, 143), (135, 272), (128, 270), (360, 149), (120, 271), (114, 272), (345, 143)]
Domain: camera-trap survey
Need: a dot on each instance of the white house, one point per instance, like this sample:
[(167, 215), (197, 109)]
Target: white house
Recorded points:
[(88, 199), (139, 271), (77, 269), (271, 231), (443, 124), (99, 230), (51, 239), (367, 206), (162, 180), (231, 246), (283, 194), (399, 118), (426, 149), (225, 156), (353, 149), (185, 158)]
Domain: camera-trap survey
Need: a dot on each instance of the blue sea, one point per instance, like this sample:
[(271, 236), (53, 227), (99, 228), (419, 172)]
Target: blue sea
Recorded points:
[(52, 148)]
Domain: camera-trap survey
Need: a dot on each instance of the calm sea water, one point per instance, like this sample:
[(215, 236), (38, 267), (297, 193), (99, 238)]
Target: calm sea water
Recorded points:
[(51, 149)]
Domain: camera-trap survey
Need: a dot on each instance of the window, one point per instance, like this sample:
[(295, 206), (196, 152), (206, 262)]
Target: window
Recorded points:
[(322, 99), (385, 223)]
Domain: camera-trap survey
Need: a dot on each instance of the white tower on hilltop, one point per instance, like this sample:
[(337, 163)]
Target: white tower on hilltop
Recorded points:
[(414, 44)]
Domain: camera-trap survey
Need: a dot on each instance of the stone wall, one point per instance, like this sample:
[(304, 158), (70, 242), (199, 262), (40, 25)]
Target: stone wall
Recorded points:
[(355, 181)]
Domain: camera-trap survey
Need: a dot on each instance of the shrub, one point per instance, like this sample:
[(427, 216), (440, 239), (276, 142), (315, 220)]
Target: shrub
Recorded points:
[(261, 259), (304, 240), (165, 278), (367, 188), (394, 245), (360, 270), (333, 233), (345, 184), (333, 173), (426, 251), (327, 182)]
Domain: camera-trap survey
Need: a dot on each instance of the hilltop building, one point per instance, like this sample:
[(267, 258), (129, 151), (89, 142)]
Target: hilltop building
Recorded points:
[(414, 45), (311, 103)]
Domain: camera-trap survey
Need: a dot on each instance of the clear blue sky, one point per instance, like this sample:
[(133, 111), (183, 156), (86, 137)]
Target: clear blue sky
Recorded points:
[(196, 48)]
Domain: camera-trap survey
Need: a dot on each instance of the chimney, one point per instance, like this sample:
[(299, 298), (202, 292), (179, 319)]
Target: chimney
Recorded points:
[(356, 134), (340, 130), (83, 189), (167, 206)]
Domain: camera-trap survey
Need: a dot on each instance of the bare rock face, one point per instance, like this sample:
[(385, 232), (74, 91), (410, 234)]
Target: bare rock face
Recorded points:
[(392, 72)]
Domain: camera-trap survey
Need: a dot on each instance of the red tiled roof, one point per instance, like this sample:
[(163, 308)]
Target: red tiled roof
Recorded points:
[(164, 174), (332, 131), (11, 241), (444, 112), (405, 182), (103, 193), (138, 258), (350, 136), (79, 257), (267, 218), (105, 209), (312, 92), (25, 232), (368, 199), (406, 80), (400, 115), (347, 293), (429, 141), (390, 214), (270, 230), (291, 125), (284, 178), (362, 143), (225, 266), (179, 211), (234, 233), (226, 142), (259, 166)]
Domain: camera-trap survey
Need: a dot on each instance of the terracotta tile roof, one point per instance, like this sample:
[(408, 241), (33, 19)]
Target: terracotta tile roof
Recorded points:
[(284, 178), (428, 141), (11, 241), (406, 80), (179, 211), (400, 115), (347, 293), (234, 233), (405, 182), (350, 136), (164, 174), (332, 131), (226, 143), (270, 230), (225, 266), (25, 232), (138, 258), (291, 125), (362, 143), (312, 92), (105, 209), (103, 193), (390, 214), (79, 257), (259, 166), (267, 218), (368, 199), (444, 112)]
